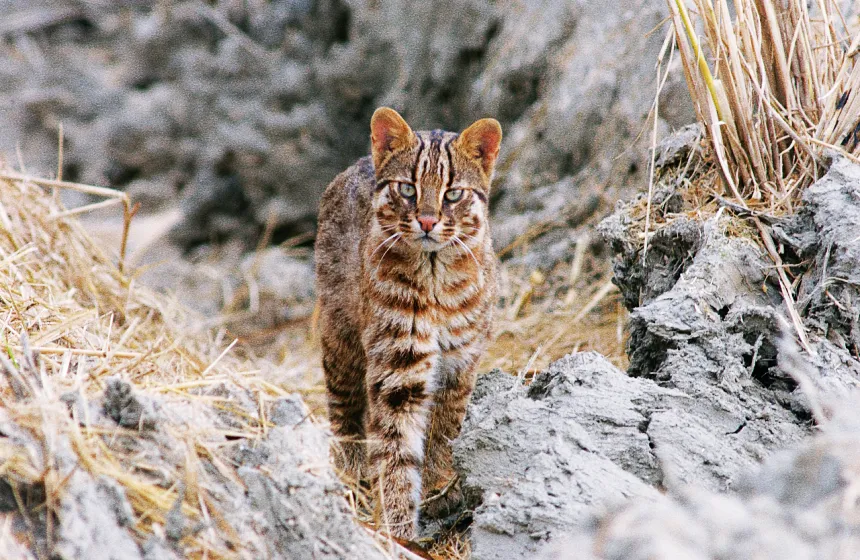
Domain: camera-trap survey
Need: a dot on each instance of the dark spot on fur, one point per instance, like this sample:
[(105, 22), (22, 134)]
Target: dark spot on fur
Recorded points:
[(405, 396), (404, 359), (375, 389)]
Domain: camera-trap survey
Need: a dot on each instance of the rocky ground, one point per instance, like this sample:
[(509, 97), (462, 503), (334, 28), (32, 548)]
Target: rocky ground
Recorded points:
[(728, 436), (723, 439)]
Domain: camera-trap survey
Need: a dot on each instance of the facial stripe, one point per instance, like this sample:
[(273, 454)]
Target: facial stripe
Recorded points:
[(418, 161), (419, 170), (430, 167), (442, 162), (450, 162)]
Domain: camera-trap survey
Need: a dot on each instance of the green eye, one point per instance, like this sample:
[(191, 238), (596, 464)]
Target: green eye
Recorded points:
[(407, 190), (454, 195)]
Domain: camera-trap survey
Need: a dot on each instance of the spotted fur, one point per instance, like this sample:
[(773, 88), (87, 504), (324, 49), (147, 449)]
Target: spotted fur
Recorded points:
[(406, 311)]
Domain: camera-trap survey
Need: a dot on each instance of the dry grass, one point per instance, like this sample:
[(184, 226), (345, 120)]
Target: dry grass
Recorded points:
[(773, 86), (70, 318), (545, 315)]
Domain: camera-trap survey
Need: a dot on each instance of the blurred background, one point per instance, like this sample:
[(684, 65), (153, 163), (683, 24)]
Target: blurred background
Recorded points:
[(227, 119)]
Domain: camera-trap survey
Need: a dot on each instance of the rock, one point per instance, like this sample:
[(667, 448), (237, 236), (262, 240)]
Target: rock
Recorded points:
[(252, 292), (583, 437), (705, 302), (830, 290), (640, 277), (548, 207), (716, 385), (128, 409), (93, 517), (288, 411), (283, 287), (155, 549), (296, 502), (530, 470), (791, 507), (679, 146), (708, 320), (10, 549)]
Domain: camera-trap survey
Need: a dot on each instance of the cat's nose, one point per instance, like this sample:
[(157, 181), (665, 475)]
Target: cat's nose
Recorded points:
[(427, 223)]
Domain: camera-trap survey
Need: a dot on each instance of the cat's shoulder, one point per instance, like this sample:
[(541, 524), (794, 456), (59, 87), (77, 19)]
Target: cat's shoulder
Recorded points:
[(351, 185), (358, 175)]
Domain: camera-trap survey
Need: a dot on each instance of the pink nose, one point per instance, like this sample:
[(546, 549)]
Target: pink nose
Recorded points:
[(427, 223)]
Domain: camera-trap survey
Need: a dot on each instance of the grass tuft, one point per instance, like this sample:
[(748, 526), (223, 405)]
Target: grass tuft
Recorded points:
[(774, 83)]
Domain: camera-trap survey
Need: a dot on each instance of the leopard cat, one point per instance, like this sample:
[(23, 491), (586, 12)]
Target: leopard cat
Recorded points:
[(406, 278)]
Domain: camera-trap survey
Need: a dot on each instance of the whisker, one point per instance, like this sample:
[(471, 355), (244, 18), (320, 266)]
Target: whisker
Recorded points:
[(466, 247), (468, 237), (384, 242), (382, 258)]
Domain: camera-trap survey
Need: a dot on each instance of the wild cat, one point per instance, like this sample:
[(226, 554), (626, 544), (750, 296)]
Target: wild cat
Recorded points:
[(406, 278)]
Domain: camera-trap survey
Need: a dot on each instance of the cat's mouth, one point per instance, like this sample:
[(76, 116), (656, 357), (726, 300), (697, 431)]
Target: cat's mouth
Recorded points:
[(430, 243)]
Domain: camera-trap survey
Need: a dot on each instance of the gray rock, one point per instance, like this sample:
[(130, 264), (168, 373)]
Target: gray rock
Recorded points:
[(92, 517), (717, 385), (679, 146), (830, 291), (296, 503), (529, 470), (288, 411), (155, 549), (716, 331), (88, 522), (792, 507), (537, 462), (283, 287), (642, 277), (128, 409)]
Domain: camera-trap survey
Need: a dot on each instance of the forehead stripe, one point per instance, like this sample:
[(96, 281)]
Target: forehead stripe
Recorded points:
[(450, 162), (418, 160)]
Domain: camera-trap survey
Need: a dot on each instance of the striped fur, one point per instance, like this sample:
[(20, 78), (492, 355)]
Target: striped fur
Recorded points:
[(405, 313)]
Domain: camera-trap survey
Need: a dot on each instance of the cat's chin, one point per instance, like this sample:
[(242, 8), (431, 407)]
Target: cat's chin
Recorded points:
[(430, 245)]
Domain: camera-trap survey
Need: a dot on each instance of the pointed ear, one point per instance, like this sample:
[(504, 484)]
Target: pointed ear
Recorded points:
[(481, 142), (388, 131)]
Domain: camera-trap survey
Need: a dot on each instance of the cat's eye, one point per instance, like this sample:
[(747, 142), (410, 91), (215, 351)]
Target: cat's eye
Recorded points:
[(454, 195), (407, 190)]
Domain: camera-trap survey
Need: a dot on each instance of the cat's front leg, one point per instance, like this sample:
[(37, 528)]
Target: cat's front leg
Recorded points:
[(399, 390), (456, 382)]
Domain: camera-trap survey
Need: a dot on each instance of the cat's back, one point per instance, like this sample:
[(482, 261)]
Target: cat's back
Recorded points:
[(344, 218)]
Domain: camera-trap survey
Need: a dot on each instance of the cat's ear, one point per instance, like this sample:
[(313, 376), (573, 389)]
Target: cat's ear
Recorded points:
[(481, 142), (388, 131)]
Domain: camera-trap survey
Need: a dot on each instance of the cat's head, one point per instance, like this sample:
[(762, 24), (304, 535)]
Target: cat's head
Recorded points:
[(432, 188)]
